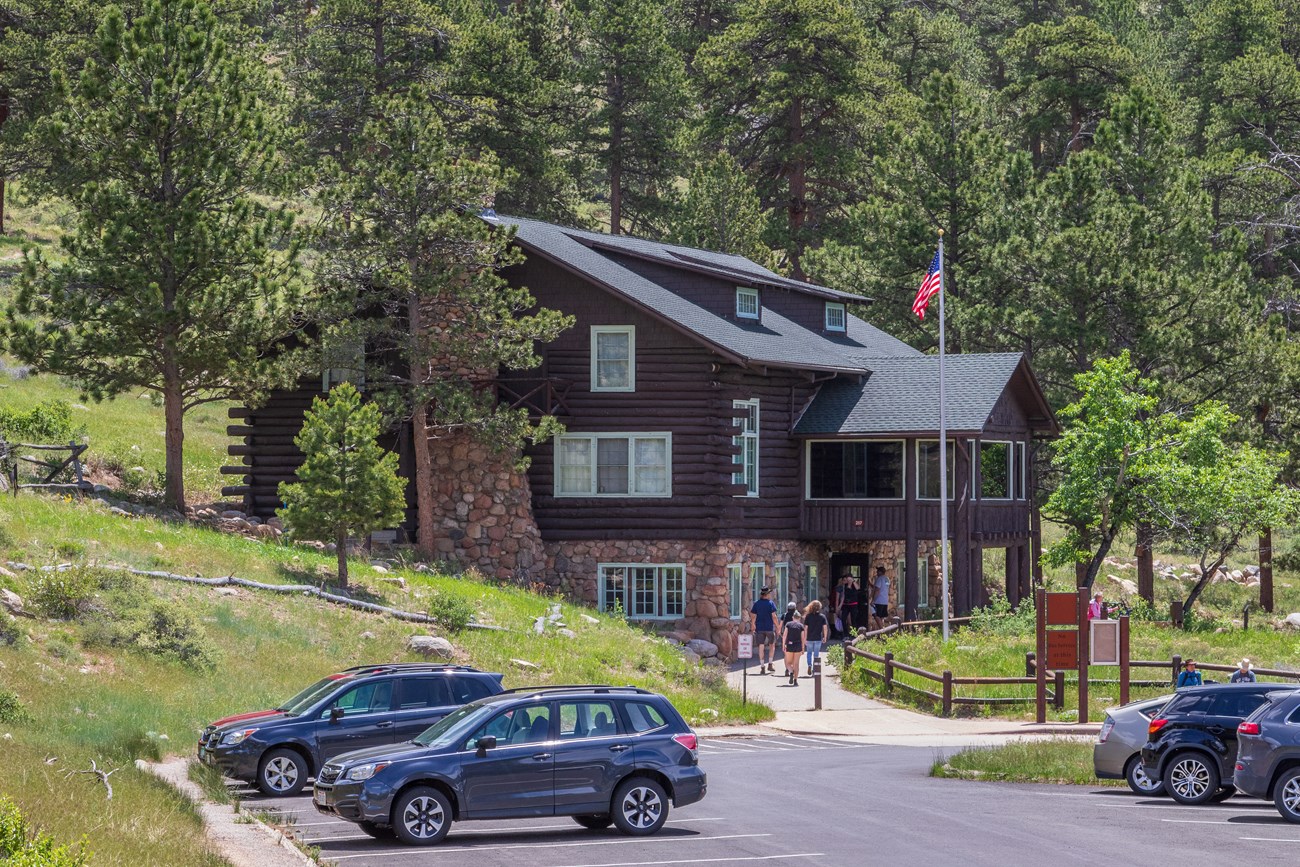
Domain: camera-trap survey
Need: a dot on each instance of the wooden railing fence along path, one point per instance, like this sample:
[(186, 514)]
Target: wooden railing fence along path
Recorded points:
[(46, 471)]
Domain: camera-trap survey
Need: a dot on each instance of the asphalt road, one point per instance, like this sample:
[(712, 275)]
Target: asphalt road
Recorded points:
[(831, 801)]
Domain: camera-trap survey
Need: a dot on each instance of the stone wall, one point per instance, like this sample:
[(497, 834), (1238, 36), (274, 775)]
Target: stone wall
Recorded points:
[(485, 513)]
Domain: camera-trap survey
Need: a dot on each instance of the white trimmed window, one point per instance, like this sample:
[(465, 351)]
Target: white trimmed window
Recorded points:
[(614, 465), (927, 469), (781, 590), (747, 305), (836, 317), (613, 358), (735, 591), (746, 462), (812, 587), (757, 579), (345, 361), (996, 473), (922, 582), (643, 591)]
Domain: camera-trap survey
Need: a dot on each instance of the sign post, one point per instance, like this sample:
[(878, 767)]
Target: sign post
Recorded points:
[(1058, 649), (745, 651)]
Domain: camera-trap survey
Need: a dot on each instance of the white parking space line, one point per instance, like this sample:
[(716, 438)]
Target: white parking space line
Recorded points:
[(1271, 839), (517, 829), (449, 849), (1261, 807), (696, 861)]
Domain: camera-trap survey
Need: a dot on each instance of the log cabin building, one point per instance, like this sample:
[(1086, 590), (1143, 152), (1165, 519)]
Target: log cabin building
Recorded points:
[(726, 428)]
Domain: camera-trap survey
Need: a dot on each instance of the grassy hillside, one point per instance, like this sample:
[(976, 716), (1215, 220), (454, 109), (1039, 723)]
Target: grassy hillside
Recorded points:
[(88, 699)]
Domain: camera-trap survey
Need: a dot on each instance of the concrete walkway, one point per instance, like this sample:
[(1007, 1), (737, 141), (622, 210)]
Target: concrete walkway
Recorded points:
[(849, 714)]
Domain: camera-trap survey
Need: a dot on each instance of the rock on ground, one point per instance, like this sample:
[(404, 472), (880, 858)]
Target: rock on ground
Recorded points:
[(704, 649), (430, 645)]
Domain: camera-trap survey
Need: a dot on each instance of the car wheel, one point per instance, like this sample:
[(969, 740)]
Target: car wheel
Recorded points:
[(422, 816), (595, 821), (640, 807), (1191, 778), (374, 829), (282, 772), (1140, 781), (1286, 795)]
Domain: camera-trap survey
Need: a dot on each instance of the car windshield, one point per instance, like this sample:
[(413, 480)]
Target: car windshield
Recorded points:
[(309, 696), (449, 729)]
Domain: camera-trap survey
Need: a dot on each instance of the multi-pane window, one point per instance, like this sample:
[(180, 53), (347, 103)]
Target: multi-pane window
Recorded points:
[(757, 579), (746, 461), (613, 358), (995, 470), (747, 306), (643, 592), (927, 469), (735, 591), (855, 470), (812, 586), (345, 361), (781, 590), (836, 318), (922, 582), (613, 465)]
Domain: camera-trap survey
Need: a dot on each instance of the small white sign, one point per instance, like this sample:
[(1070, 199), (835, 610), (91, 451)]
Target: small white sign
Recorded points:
[(1103, 642), (745, 645)]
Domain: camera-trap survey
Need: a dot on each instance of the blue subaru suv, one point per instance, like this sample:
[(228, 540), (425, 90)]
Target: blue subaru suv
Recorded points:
[(601, 754), (365, 706)]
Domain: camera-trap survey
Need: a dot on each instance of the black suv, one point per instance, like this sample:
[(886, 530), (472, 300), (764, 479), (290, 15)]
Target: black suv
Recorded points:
[(1192, 743), (603, 755), (364, 706), (1268, 754)]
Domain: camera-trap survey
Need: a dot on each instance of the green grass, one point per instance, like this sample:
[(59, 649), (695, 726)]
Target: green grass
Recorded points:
[(1044, 761), (88, 701)]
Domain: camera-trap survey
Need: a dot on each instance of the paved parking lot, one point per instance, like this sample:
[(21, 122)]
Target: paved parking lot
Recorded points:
[(839, 801)]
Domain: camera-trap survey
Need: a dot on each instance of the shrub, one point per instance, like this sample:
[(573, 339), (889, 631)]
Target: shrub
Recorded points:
[(12, 709), (65, 593), (152, 627), (22, 847), (999, 618), (10, 631), (451, 612), (49, 422)]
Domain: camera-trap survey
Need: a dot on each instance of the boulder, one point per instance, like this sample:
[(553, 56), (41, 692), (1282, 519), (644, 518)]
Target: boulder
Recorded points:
[(705, 649), (12, 602), (690, 656), (1292, 620), (1237, 575), (567, 633), (232, 513), (1126, 587), (227, 591), (587, 618), (430, 645)]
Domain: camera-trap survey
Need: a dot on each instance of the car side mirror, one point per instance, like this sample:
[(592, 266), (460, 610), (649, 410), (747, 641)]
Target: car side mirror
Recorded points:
[(485, 743), (336, 714)]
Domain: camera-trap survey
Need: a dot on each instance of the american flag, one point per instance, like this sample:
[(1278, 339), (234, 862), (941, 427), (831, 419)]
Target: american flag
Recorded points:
[(930, 286)]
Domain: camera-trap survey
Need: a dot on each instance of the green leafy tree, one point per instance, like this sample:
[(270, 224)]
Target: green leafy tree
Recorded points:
[(721, 211), (178, 278), (416, 270), (347, 485)]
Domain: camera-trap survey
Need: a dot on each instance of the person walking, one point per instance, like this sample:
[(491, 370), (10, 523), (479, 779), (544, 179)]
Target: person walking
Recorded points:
[(849, 605), (1244, 673), (1097, 608), (880, 597), (792, 640), (1189, 675), (790, 610), (816, 628), (764, 613)]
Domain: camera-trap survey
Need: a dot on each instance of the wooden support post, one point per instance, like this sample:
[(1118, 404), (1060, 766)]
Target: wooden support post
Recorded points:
[(889, 670), (1083, 654), (947, 693), (1040, 665), (1176, 664), (1058, 680), (1123, 660), (1030, 658), (1011, 557)]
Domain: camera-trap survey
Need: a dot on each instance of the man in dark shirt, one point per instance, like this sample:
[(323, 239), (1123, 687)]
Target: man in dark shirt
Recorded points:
[(764, 614)]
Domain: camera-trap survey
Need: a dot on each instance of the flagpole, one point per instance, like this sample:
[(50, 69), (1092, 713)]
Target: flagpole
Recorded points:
[(943, 455)]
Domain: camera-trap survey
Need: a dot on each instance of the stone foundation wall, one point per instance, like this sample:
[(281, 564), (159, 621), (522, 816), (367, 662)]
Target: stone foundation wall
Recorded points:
[(485, 519)]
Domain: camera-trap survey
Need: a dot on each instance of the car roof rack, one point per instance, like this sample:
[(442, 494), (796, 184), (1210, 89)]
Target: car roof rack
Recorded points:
[(380, 667), (598, 688)]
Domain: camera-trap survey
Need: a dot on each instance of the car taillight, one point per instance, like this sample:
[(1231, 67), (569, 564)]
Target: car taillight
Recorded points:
[(1156, 725), (689, 741), (1106, 728), (1248, 728)]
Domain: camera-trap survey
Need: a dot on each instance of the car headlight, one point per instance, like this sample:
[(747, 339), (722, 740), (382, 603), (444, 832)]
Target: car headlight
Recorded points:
[(229, 739), (365, 772)]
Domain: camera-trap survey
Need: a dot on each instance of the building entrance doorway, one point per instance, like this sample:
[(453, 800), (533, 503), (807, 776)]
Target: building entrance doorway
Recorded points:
[(850, 609)]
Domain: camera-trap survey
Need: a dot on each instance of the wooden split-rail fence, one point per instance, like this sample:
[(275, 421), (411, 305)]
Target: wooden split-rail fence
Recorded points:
[(45, 469)]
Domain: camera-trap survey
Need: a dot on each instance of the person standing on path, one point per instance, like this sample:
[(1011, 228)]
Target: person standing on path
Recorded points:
[(792, 640), (848, 605), (816, 628), (880, 597), (764, 613), (790, 610)]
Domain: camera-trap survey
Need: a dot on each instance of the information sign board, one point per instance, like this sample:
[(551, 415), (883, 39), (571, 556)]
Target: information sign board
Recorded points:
[(1062, 609), (1063, 649), (1103, 643), (745, 645)]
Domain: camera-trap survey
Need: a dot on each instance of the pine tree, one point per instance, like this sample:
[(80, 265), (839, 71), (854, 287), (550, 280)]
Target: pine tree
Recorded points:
[(721, 211), (416, 269), (347, 485), (172, 281)]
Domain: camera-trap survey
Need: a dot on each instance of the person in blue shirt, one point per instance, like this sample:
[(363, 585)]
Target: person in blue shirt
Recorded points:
[(1189, 676), (764, 613)]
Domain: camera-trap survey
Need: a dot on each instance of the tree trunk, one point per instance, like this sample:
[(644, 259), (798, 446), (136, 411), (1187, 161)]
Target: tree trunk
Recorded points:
[(174, 415), (1198, 588), (798, 175), (614, 92), (1076, 126), (4, 117), (341, 545), (1145, 565), (1094, 566), (1266, 569), (423, 481)]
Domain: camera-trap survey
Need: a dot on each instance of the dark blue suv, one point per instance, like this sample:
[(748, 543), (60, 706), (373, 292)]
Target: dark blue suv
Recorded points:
[(365, 706), (603, 755)]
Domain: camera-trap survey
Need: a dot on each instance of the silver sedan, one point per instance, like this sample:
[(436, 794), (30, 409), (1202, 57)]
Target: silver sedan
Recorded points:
[(1117, 754)]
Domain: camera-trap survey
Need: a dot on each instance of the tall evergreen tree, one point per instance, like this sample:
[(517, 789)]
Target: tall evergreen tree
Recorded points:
[(172, 281), (721, 211)]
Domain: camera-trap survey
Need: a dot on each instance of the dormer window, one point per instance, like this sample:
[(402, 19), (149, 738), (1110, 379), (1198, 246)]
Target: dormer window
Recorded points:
[(835, 317), (747, 303)]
